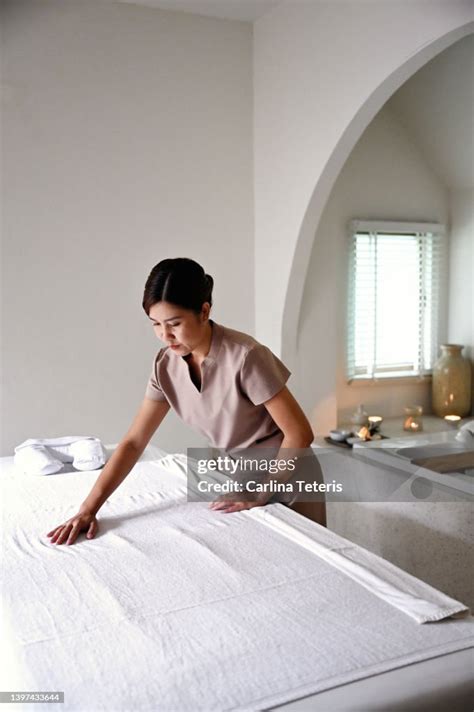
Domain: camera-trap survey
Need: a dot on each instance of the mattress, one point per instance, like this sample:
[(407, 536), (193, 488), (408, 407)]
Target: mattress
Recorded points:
[(174, 606)]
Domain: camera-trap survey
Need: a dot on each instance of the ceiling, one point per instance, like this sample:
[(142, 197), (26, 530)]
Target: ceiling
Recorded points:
[(244, 10), (436, 106)]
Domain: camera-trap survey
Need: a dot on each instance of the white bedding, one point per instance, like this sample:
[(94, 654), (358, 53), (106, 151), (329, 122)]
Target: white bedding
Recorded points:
[(176, 607)]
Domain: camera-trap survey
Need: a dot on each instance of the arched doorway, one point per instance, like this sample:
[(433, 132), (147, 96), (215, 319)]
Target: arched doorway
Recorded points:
[(322, 190)]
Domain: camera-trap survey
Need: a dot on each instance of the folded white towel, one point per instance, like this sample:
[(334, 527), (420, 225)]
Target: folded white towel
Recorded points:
[(37, 460), (46, 456), (465, 433), (88, 454)]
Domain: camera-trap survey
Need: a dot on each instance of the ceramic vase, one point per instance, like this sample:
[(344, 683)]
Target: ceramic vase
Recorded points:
[(451, 384)]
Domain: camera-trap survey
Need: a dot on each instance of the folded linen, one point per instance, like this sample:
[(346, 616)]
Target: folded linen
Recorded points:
[(383, 579), (37, 460), (469, 426), (465, 433), (400, 589), (46, 456)]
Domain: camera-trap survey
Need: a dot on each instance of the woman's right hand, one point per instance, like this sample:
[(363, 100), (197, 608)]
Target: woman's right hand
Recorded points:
[(69, 531)]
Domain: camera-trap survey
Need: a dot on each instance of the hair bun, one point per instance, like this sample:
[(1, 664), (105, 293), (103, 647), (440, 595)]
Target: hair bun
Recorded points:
[(180, 281)]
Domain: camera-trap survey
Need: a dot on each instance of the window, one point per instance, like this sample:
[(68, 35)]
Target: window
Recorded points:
[(395, 276)]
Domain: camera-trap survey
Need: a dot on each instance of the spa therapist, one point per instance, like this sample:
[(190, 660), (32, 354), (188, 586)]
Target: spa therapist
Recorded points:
[(221, 382)]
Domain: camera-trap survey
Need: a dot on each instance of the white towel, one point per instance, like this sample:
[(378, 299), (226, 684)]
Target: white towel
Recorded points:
[(176, 607), (46, 456), (465, 433), (37, 460), (409, 594), (469, 426)]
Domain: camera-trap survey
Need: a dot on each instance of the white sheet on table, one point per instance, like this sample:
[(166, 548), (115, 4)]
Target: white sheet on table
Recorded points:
[(177, 607), (408, 593)]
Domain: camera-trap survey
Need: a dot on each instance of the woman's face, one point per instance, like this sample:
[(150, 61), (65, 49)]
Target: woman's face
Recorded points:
[(179, 328)]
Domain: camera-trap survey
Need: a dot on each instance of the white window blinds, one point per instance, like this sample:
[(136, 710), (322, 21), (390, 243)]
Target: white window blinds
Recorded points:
[(395, 274)]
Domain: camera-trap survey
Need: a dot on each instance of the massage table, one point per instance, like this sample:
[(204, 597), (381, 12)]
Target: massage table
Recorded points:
[(174, 607)]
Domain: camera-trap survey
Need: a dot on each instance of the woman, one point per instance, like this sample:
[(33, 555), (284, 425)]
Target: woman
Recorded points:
[(221, 382)]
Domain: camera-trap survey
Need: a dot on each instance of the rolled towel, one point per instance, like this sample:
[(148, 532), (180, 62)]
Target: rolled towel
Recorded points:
[(37, 460), (85, 453), (469, 425), (465, 433), (88, 454)]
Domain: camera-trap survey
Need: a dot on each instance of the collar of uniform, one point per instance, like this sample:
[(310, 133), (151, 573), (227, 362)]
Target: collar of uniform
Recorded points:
[(216, 340)]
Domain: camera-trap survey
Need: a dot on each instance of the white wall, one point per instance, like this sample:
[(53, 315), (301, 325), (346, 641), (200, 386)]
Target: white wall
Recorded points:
[(127, 139), (461, 267), (436, 107), (385, 177), (322, 72)]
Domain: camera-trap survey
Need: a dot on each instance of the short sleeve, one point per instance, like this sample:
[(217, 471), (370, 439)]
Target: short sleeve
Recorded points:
[(153, 388), (262, 375)]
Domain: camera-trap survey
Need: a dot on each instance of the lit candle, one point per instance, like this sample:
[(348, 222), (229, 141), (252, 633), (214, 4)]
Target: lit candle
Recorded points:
[(375, 419), (413, 422), (453, 420), (374, 424)]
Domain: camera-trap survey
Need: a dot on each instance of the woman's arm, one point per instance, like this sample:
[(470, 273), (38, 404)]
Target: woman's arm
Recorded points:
[(288, 415), (124, 457), (126, 454), (290, 418)]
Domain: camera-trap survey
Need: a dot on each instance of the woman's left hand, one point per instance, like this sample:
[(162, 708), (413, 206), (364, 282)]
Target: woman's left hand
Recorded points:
[(227, 504)]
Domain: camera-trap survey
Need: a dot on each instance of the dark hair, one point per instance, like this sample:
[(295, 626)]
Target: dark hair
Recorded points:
[(180, 281)]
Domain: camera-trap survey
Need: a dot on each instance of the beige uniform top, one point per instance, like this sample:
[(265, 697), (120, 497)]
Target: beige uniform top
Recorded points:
[(237, 376)]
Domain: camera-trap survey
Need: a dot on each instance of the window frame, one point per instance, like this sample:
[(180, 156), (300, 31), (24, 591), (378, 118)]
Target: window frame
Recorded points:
[(440, 315)]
